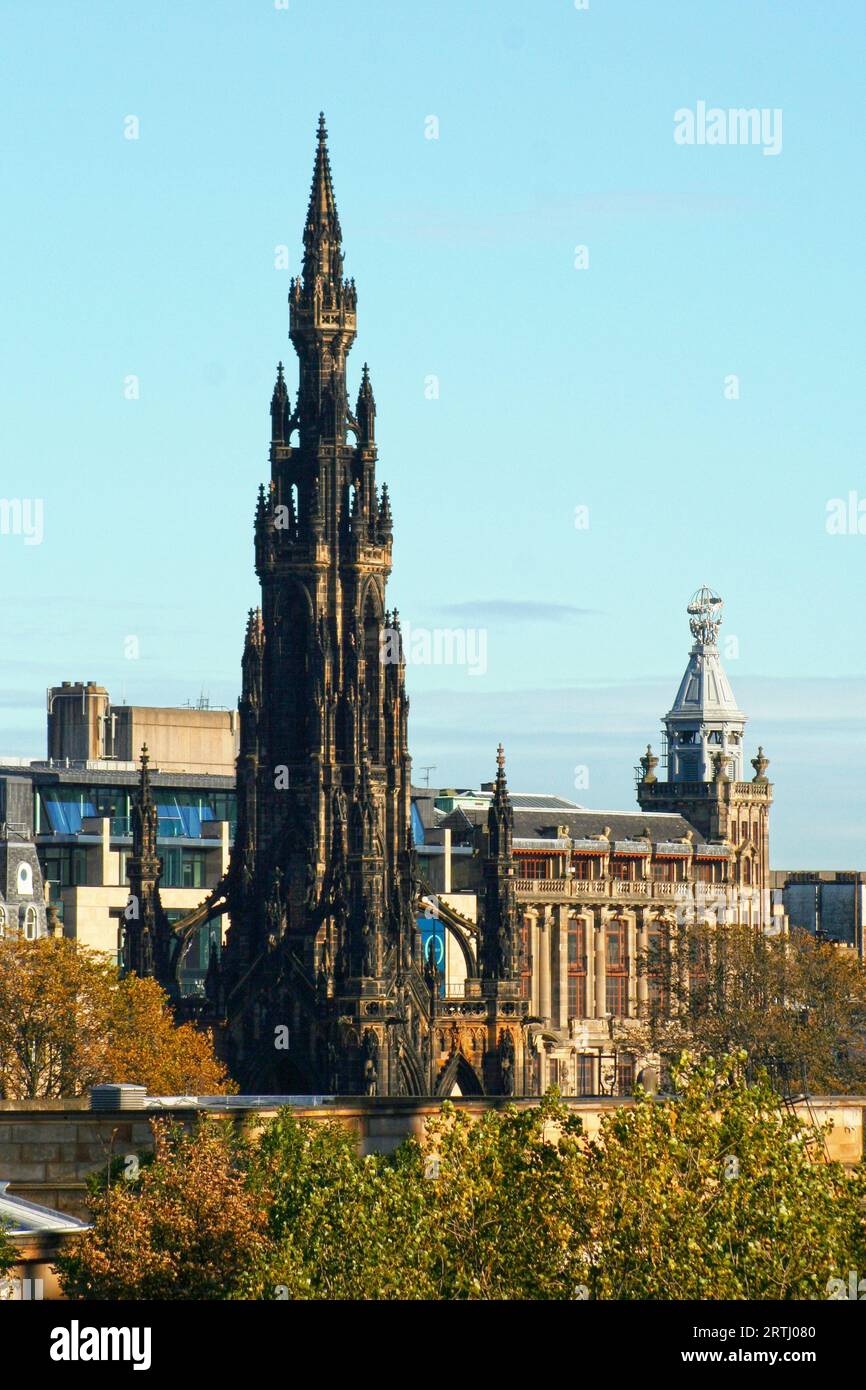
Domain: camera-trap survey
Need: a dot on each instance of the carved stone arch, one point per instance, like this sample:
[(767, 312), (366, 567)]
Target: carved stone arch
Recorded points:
[(412, 1078), (292, 627), (287, 588), (371, 594), (468, 957), (371, 618), (458, 1070)]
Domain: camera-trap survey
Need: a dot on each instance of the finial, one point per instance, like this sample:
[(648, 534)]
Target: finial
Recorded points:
[(760, 763), (500, 758), (705, 615), (649, 762)]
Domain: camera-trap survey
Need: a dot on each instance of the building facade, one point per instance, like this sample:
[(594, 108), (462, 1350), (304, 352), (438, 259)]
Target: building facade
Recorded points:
[(598, 890)]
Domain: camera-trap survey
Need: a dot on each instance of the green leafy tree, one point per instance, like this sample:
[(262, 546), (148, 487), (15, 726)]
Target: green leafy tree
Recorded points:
[(715, 1193), (502, 1215), (8, 1252), (712, 1193), (341, 1226)]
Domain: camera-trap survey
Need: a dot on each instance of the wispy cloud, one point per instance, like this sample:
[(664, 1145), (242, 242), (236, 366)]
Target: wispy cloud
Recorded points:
[(505, 610)]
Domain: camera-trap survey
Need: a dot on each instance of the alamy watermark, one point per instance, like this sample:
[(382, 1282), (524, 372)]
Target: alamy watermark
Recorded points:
[(437, 646), (23, 516), (734, 125)]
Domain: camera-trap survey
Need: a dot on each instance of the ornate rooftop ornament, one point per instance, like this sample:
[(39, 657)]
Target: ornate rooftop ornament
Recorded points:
[(760, 763), (649, 763), (705, 615)]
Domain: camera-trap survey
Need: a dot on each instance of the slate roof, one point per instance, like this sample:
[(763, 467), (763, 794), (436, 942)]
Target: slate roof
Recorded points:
[(582, 825)]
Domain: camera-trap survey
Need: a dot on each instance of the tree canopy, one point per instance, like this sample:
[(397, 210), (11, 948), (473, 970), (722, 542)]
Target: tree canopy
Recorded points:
[(67, 1022), (788, 1000), (712, 1193)]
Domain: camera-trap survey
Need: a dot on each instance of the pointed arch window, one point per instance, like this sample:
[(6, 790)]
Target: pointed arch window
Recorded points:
[(372, 677)]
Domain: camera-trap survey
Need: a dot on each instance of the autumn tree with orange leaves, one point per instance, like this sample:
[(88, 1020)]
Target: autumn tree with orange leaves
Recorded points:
[(68, 1022)]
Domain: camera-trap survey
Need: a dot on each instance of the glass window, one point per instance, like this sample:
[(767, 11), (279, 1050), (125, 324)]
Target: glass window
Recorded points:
[(616, 969), (585, 1073), (625, 1074), (576, 968)]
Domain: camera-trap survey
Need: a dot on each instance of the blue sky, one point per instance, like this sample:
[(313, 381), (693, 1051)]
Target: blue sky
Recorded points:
[(559, 388)]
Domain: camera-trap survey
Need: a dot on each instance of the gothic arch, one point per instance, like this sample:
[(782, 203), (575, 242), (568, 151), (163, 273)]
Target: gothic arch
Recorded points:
[(412, 1078), (293, 626), (458, 1070), (371, 596), (371, 636), (468, 958)]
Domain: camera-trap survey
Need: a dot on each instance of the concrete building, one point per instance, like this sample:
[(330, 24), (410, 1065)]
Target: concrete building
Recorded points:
[(65, 821), (831, 903), (84, 726)]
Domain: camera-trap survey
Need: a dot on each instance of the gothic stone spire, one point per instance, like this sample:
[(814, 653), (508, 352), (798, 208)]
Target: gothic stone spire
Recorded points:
[(149, 946)]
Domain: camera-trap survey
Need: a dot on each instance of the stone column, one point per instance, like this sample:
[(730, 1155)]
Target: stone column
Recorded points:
[(600, 965), (588, 918), (631, 947), (544, 947), (640, 966), (534, 947)]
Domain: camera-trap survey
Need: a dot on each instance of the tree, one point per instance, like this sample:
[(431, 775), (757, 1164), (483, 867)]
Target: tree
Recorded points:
[(789, 1000), (476, 1210), (68, 1022), (187, 1227), (342, 1226), (502, 1214), (713, 1194), (145, 1046), (8, 1252)]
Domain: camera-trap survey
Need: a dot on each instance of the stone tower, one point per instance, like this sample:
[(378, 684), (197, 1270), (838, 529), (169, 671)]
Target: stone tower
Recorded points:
[(704, 732), (322, 978)]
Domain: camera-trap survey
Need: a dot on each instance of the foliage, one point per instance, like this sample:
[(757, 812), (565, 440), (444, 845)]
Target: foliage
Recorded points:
[(791, 999), (502, 1211), (186, 1228), (8, 1252), (712, 1193), (377, 1227), (146, 1047), (342, 1226), (68, 1022)]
